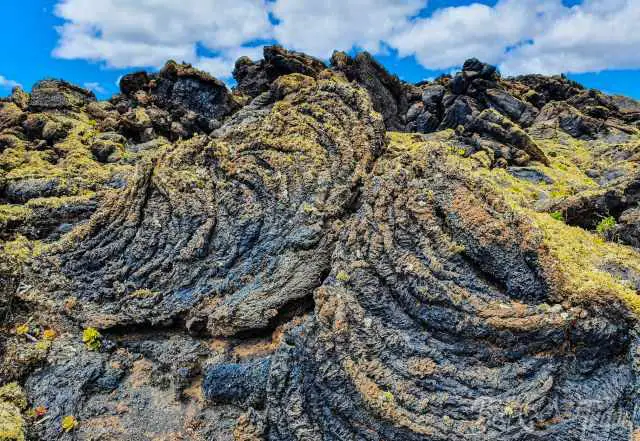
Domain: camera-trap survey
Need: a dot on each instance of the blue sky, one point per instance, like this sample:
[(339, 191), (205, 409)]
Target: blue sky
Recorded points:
[(93, 43)]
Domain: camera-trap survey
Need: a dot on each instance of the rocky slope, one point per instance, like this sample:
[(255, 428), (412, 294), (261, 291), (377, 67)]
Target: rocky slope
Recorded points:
[(323, 253)]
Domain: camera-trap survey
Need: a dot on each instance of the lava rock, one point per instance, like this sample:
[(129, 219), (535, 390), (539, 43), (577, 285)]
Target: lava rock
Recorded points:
[(58, 94), (387, 92), (237, 383), (133, 82)]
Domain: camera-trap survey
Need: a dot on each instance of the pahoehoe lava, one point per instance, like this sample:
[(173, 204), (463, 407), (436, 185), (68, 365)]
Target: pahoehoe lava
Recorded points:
[(324, 252)]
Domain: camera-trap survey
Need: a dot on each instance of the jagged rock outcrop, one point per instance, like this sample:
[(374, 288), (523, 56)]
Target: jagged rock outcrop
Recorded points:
[(323, 253), (177, 102), (251, 203), (58, 94), (388, 94), (254, 78)]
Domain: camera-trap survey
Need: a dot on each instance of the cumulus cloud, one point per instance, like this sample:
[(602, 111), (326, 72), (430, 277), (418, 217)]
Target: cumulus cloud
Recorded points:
[(594, 36), (453, 34), (518, 35), (122, 33), (6, 83), (524, 36), (319, 27)]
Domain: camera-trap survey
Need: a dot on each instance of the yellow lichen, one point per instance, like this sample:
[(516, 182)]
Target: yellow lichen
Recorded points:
[(583, 263), (12, 401), (11, 423), (22, 329), (49, 334), (92, 339), (13, 393), (143, 293), (69, 423)]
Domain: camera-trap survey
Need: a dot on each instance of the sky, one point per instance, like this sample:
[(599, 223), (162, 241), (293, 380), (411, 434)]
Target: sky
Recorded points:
[(94, 42)]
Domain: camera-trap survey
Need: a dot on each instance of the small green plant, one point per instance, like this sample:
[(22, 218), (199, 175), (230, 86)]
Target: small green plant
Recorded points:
[(606, 224), (142, 293), (387, 396), (509, 410), (69, 423), (43, 345), (22, 329), (92, 339), (307, 208), (456, 248), (557, 215), (342, 276)]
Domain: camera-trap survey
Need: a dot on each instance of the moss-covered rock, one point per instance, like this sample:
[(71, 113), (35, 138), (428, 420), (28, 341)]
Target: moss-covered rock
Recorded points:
[(11, 423), (279, 251), (12, 402)]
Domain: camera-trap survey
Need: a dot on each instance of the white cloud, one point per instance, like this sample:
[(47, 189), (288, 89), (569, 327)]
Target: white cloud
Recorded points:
[(524, 36), (518, 35), (6, 83), (144, 33), (319, 27), (454, 34), (222, 65), (95, 87), (598, 35)]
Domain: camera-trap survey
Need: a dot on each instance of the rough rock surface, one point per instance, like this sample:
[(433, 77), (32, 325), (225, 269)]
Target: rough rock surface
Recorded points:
[(389, 95), (323, 253)]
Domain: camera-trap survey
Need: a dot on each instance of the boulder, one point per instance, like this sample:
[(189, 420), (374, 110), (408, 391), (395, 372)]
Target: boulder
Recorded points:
[(562, 116), (489, 123), (58, 95), (133, 82), (254, 78)]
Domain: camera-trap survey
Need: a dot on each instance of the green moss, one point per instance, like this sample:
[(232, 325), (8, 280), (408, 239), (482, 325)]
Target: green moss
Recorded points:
[(22, 249), (557, 215), (11, 423), (13, 213), (92, 339), (606, 224), (13, 393), (342, 276), (57, 202), (581, 261)]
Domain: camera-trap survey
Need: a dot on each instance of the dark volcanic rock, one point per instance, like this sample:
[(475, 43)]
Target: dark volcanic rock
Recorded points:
[(179, 101), (58, 94), (363, 367), (387, 92), (562, 116), (225, 221), (254, 78), (547, 89), (272, 264), (181, 86), (133, 82), (244, 384), (495, 126)]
